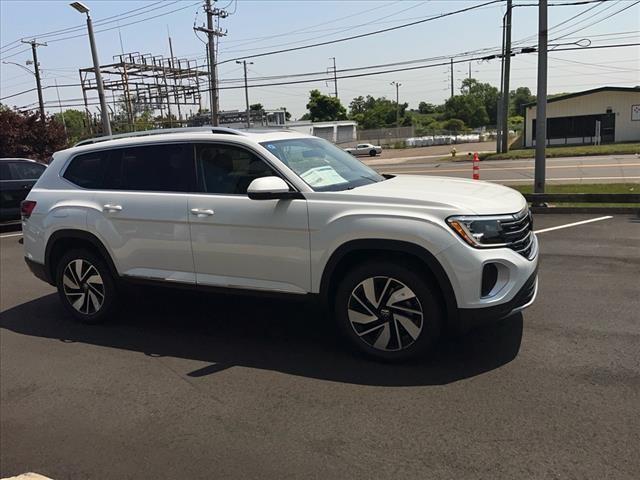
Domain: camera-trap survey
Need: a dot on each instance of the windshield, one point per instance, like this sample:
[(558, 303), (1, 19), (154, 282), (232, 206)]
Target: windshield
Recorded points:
[(322, 165)]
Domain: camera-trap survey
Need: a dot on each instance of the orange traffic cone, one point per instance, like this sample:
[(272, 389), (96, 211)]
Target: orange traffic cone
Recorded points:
[(476, 166)]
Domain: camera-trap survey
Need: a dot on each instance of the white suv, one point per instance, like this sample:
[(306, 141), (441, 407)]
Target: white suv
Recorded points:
[(395, 258)]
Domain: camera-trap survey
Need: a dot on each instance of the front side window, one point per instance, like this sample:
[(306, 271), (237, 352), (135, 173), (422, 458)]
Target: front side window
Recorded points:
[(322, 165), (153, 168), (227, 169), (26, 170)]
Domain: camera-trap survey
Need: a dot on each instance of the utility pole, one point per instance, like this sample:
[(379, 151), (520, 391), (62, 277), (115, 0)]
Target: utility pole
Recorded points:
[(501, 93), (106, 125), (541, 103), (398, 85), (213, 32), (36, 68), (469, 70), (452, 77), (172, 66), (505, 83), (246, 90), (335, 77)]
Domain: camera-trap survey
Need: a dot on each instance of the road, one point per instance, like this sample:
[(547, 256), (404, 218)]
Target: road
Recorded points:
[(190, 386), (596, 169)]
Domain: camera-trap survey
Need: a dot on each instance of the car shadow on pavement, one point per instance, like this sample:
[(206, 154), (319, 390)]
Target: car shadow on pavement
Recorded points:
[(291, 337)]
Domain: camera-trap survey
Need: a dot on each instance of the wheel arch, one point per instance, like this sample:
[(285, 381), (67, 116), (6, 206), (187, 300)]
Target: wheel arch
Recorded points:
[(356, 251), (61, 241)]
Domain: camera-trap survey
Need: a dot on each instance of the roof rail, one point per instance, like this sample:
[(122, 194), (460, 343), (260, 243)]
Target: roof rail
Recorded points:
[(161, 131)]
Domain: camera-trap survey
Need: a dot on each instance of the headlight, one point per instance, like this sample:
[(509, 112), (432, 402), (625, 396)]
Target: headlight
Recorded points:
[(481, 232)]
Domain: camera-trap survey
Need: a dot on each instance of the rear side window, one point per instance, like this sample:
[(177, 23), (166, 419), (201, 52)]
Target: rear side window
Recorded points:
[(86, 170), (154, 168), (26, 170)]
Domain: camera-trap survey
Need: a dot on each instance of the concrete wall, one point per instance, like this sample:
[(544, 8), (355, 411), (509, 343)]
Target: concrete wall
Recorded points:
[(592, 104)]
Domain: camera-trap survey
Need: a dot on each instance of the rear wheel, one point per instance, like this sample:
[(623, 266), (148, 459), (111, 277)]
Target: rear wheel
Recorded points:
[(86, 286), (388, 311)]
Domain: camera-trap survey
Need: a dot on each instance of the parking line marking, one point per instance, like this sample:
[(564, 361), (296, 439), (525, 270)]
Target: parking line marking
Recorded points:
[(575, 224), (11, 235)]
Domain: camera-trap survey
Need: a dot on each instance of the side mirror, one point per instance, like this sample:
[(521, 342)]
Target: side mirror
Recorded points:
[(270, 188)]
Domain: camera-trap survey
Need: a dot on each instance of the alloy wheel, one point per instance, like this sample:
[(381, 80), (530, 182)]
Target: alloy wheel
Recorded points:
[(385, 313), (83, 286)]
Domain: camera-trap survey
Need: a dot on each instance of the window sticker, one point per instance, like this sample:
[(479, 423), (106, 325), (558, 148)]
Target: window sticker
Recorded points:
[(322, 177)]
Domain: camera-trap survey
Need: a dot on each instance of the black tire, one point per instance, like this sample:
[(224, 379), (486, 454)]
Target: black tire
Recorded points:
[(372, 153), (390, 313), (94, 270)]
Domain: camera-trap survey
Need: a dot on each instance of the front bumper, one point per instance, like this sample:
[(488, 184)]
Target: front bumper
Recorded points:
[(470, 318)]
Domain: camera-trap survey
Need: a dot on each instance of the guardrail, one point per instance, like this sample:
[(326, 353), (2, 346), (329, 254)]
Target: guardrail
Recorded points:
[(539, 202)]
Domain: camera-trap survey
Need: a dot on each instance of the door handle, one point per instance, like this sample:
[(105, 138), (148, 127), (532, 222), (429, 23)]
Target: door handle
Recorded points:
[(202, 212), (111, 208)]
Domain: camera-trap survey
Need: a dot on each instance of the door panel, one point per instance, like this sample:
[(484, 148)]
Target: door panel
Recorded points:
[(257, 244), (243, 243), (148, 233), (140, 207)]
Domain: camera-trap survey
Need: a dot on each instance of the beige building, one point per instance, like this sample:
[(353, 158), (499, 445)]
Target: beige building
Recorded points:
[(601, 115)]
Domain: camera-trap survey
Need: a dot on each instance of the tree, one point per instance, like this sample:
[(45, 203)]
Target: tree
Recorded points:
[(486, 93), (454, 125), (518, 98), (379, 112), (24, 135), (76, 124), (468, 108), (357, 106), (256, 107), (323, 108), (424, 107)]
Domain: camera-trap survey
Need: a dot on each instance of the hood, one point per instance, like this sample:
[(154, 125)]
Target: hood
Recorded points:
[(464, 196)]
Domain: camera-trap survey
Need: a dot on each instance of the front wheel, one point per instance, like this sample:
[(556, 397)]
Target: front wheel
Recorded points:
[(388, 311), (373, 153), (86, 286)]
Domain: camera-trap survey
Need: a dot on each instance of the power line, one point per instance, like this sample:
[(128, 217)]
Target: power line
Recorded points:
[(362, 35), (598, 21), (98, 22)]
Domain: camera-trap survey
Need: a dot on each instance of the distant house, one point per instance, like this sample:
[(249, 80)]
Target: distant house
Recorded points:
[(600, 115)]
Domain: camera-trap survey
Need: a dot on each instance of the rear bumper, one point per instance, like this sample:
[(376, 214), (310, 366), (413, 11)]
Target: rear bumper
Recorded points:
[(39, 270), (470, 318)]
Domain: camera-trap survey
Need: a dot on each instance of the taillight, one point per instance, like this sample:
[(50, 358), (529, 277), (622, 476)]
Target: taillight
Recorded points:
[(26, 208)]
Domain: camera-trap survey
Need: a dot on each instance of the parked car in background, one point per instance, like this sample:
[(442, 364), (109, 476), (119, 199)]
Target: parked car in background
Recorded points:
[(17, 177), (365, 149)]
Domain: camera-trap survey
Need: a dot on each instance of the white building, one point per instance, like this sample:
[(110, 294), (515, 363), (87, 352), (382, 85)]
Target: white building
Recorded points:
[(340, 131), (601, 115)]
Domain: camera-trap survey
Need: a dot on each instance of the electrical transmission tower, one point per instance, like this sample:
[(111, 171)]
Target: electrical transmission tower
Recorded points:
[(212, 32)]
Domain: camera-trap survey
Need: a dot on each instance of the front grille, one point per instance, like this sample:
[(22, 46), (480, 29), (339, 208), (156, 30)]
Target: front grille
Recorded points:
[(518, 233)]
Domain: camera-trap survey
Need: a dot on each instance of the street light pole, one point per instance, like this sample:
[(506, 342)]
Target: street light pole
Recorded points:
[(505, 83), (398, 85), (106, 125), (36, 72), (541, 101), (246, 90)]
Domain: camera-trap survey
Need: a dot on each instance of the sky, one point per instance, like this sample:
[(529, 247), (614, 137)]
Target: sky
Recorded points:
[(256, 26)]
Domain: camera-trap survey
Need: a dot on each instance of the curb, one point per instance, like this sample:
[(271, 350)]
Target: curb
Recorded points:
[(618, 210)]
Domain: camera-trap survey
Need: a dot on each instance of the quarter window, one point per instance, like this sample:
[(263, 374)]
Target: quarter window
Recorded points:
[(227, 169), (86, 170)]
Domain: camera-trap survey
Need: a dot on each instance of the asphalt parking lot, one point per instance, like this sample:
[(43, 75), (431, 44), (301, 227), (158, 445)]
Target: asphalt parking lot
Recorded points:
[(190, 386)]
